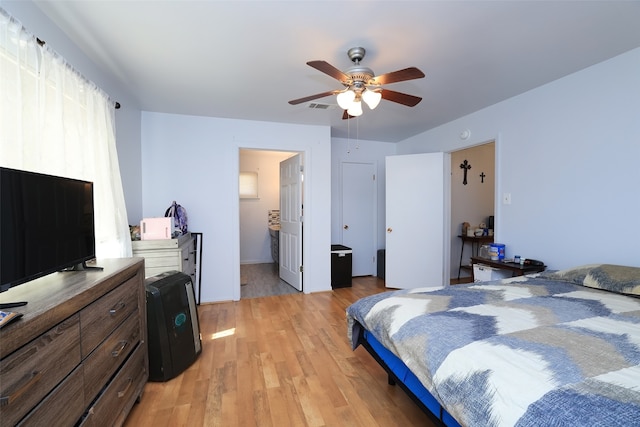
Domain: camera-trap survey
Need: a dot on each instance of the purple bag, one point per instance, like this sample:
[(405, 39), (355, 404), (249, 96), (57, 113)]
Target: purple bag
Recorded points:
[(179, 215)]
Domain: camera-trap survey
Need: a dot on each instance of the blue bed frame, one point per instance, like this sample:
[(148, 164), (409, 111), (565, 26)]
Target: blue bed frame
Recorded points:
[(400, 374)]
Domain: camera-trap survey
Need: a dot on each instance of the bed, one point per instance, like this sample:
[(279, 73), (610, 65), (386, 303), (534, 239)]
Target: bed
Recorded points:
[(551, 349)]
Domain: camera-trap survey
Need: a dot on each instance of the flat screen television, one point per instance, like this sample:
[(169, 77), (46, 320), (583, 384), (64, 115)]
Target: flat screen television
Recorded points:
[(46, 225)]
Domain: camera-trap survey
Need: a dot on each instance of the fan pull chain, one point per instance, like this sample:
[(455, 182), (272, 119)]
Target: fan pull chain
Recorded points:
[(348, 137), (357, 133)]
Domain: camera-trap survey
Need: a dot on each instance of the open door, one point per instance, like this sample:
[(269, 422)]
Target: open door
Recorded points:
[(291, 221), (416, 249)]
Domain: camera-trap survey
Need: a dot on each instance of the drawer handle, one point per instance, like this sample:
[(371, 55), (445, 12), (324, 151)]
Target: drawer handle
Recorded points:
[(117, 308), (121, 346), (29, 380), (123, 393)]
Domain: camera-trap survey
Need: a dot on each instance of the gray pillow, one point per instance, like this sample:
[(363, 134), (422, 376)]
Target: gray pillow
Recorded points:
[(615, 278)]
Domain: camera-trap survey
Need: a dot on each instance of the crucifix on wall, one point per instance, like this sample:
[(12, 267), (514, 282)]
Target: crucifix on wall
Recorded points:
[(482, 176), (466, 166)]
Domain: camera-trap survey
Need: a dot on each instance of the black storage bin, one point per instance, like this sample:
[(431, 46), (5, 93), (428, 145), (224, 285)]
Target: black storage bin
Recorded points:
[(172, 322), (341, 259), (381, 262)]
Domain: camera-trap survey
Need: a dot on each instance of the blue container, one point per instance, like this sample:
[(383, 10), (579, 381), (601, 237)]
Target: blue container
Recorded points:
[(496, 251)]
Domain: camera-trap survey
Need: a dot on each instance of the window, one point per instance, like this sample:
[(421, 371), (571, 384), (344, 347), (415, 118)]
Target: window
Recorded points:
[(56, 122), (248, 185)]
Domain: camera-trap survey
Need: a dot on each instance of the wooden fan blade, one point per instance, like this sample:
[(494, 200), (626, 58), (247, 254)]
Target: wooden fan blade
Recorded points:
[(399, 76), (400, 98), (312, 97), (329, 69), (346, 116)]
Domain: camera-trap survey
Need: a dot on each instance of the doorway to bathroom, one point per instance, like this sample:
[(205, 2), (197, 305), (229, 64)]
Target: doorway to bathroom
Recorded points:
[(260, 221)]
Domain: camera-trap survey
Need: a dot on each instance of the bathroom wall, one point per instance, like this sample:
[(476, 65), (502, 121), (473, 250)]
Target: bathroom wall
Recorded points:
[(255, 244)]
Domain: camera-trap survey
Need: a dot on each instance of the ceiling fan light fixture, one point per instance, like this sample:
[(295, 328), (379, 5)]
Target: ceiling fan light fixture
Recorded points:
[(360, 83), (345, 99), (372, 98), (356, 109)]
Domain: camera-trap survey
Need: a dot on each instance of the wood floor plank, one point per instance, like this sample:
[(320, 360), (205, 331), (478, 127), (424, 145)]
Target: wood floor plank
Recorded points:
[(309, 402), (198, 402), (280, 361), (280, 414), (179, 416)]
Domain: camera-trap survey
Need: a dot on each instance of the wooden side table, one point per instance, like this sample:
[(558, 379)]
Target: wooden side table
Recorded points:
[(516, 269), (475, 246)]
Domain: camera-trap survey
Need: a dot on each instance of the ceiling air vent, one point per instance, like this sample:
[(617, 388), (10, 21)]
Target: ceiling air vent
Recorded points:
[(317, 106)]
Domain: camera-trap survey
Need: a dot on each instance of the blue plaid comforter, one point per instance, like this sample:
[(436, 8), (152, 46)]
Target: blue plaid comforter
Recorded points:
[(524, 351)]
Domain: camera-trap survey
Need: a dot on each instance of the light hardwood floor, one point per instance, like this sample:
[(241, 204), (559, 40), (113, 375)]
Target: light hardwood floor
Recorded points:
[(280, 361)]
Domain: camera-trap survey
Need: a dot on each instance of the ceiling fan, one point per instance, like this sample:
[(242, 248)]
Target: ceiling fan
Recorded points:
[(361, 84)]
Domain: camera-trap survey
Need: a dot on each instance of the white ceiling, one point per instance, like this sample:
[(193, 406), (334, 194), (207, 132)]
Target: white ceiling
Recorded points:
[(246, 59)]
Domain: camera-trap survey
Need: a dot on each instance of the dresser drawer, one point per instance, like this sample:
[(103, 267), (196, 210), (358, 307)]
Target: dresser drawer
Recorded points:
[(165, 259), (154, 271), (57, 410), (99, 319), (112, 406), (109, 356), (27, 375), (188, 261)]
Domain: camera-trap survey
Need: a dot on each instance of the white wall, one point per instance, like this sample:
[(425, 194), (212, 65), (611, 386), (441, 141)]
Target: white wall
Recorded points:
[(255, 241), (195, 161), (568, 153)]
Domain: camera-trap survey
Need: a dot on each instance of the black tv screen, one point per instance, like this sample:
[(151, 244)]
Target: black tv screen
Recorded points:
[(46, 225)]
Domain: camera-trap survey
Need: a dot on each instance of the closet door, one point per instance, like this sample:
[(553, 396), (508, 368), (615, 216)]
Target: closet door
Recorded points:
[(359, 215)]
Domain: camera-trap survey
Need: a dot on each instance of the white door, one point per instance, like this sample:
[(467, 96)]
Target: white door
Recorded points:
[(416, 255), (291, 221), (358, 215)]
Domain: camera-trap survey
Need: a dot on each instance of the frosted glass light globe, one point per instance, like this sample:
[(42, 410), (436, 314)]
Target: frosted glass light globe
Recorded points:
[(345, 99)]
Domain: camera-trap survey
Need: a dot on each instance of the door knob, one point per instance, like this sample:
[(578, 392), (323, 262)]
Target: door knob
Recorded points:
[(346, 227), (389, 230)]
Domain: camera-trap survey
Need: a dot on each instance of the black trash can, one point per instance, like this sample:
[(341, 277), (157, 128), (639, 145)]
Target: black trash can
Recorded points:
[(341, 258), (381, 263)]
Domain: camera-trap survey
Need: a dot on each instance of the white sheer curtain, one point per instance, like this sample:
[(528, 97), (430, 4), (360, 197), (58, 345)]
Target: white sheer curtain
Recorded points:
[(55, 121)]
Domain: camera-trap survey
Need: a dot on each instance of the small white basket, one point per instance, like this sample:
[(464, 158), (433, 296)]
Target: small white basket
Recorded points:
[(484, 273)]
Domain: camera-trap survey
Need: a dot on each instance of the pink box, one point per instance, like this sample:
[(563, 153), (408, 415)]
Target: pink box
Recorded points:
[(156, 228)]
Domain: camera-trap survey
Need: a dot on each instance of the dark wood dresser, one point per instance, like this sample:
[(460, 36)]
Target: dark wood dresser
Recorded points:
[(79, 353)]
